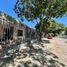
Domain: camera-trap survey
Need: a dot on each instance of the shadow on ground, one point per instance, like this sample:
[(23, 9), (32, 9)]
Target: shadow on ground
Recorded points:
[(45, 58), (65, 37), (41, 57), (66, 42)]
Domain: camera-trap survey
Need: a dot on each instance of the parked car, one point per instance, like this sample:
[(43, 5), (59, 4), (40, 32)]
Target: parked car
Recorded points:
[(50, 36)]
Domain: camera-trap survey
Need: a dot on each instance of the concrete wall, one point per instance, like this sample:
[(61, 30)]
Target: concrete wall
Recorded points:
[(16, 28), (27, 32), (1, 31), (7, 24)]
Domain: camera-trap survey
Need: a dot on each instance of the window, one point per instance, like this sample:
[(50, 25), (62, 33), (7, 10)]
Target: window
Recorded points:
[(20, 33)]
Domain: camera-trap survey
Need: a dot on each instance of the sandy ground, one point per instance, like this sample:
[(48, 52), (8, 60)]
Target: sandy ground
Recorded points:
[(58, 46), (56, 49)]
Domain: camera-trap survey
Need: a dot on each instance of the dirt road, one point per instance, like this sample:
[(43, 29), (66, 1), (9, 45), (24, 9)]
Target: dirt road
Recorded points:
[(43, 54), (59, 47)]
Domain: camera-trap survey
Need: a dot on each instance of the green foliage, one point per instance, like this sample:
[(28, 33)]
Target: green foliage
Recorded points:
[(56, 28), (42, 25), (66, 30), (10, 18), (0, 13), (53, 27), (33, 9)]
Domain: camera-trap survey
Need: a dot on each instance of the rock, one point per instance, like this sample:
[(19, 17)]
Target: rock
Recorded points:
[(35, 46), (28, 64), (24, 48)]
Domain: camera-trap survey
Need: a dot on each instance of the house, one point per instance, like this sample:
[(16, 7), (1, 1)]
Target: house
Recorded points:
[(10, 28)]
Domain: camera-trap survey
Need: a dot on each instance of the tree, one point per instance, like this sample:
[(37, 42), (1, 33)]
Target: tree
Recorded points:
[(41, 27), (56, 28), (52, 26), (40, 9), (66, 30), (33, 9)]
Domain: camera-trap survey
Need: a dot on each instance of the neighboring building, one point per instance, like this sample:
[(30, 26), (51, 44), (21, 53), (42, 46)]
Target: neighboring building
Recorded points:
[(12, 29)]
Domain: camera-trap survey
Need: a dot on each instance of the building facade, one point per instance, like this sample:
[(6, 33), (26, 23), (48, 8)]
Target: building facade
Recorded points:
[(10, 30)]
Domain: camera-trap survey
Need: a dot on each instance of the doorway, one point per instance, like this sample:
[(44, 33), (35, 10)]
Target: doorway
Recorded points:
[(8, 34)]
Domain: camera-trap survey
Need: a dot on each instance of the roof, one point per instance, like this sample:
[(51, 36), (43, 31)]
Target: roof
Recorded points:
[(11, 19)]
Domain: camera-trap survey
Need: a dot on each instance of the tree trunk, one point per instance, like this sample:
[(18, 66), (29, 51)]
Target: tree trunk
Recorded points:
[(40, 36)]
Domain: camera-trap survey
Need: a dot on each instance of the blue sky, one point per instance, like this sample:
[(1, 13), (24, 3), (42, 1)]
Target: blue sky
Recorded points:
[(7, 6)]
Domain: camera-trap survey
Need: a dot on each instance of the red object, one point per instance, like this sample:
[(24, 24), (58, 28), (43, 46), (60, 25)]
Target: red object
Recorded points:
[(49, 36)]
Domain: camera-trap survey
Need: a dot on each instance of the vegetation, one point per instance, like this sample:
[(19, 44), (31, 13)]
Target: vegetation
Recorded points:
[(1, 13), (41, 27), (10, 18), (52, 27), (56, 28), (40, 9), (66, 30), (34, 9)]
